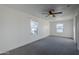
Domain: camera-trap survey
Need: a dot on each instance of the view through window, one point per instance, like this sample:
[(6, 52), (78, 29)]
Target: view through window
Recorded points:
[(59, 27), (34, 27)]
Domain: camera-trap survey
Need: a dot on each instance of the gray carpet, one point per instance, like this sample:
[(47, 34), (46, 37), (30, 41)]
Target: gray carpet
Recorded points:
[(51, 45)]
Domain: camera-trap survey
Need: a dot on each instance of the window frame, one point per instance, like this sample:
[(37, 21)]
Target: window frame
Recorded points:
[(59, 28), (34, 27)]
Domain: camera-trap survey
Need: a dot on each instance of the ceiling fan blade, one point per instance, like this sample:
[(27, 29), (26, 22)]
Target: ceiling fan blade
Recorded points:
[(58, 13)]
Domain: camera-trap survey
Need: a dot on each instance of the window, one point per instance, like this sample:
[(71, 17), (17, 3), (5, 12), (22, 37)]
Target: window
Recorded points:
[(59, 28), (34, 27)]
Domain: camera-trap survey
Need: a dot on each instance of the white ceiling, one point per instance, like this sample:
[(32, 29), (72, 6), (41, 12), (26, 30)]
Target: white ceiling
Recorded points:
[(38, 9)]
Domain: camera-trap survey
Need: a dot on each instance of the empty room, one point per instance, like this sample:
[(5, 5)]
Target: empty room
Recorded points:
[(39, 29)]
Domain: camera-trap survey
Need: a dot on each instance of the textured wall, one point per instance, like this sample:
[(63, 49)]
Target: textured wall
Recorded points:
[(68, 28), (15, 28)]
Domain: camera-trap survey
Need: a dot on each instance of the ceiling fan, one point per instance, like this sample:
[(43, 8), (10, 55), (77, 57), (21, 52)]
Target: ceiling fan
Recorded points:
[(52, 12)]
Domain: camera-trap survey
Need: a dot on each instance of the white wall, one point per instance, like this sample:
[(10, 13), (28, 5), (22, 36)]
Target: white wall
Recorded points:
[(15, 30), (77, 31), (74, 29), (68, 28)]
